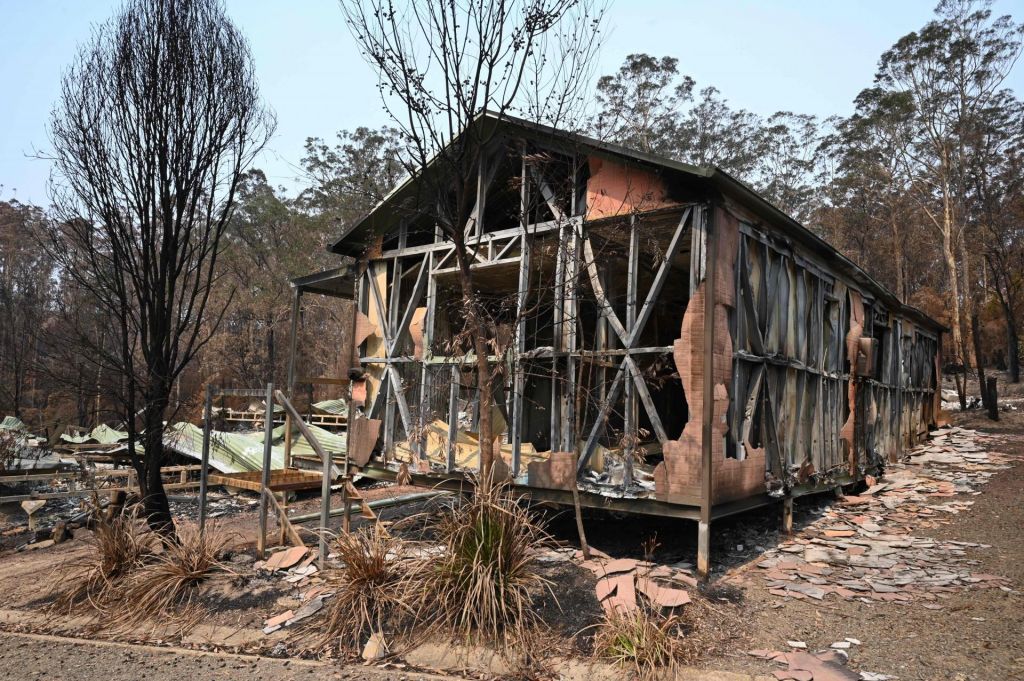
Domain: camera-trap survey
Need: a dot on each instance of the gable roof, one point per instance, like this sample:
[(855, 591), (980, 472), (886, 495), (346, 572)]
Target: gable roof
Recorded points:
[(384, 215)]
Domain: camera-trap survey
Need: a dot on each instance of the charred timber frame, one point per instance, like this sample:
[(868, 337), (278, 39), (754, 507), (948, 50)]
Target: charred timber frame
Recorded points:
[(797, 376)]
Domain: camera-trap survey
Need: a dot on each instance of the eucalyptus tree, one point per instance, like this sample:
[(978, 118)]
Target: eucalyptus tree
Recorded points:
[(944, 76)]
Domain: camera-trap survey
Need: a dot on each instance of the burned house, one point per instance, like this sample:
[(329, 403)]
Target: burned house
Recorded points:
[(662, 336)]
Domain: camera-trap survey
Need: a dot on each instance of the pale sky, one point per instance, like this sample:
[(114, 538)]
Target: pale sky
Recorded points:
[(805, 56)]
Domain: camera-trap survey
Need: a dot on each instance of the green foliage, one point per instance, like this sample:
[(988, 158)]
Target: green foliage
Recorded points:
[(649, 105)]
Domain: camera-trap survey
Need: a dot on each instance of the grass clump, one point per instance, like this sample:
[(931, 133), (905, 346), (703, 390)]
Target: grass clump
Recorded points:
[(482, 584), (372, 591), (641, 639), (121, 544), (132, 577), (648, 640), (163, 588)]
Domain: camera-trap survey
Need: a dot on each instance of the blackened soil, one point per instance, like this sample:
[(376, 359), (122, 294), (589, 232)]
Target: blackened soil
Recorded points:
[(570, 606)]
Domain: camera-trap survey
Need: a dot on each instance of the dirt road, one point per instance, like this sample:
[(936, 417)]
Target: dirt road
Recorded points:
[(28, 656)]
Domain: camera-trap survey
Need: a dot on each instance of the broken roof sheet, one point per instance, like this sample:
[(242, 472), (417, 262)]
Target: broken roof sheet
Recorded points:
[(101, 435), (229, 452), (13, 423), (241, 452), (333, 443), (338, 407)]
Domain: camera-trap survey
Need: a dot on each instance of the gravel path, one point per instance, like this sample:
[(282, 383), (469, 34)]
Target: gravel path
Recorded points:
[(28, 656)]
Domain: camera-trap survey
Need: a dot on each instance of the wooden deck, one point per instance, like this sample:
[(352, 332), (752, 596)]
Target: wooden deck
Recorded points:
[(282, 480)]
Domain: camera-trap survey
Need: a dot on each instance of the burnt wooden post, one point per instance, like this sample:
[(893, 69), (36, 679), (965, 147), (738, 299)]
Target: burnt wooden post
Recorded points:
[(453, 415), (519, 378), (708, 388), (787, 515), (570, 322), (423, 416), (557, 340), (630, 415), (325, 504)]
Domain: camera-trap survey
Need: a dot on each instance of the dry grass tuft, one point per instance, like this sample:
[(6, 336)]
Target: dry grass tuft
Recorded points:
[(648, 640), (481, 587), (640, 639), (371, 592), (163, 588), (122, 544)]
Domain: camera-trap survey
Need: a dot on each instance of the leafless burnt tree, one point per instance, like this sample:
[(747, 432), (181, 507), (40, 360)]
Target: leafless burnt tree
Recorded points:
[(157, 118), (439, 65)]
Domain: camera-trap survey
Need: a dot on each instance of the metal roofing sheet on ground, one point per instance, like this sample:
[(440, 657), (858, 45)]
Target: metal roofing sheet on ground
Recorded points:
[(229, 452), (332, 407), (13, 423), (101, 434), (333, 443)]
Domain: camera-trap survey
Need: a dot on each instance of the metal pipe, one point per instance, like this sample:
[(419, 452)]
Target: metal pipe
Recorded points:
[(292, 343), (379, 503), (203, 475), (268, 434), (325, 508), (708, 388)]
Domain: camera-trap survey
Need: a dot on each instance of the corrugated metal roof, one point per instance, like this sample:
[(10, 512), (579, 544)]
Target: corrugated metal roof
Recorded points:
[(101, 434), (338, 407), (13, 423), (229, 452)]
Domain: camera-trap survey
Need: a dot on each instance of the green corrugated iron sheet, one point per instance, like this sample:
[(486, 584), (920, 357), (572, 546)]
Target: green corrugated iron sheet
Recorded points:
[(101, 434), (335, 444), (229, 452), (338, 407), (240, 452), (13, 423)]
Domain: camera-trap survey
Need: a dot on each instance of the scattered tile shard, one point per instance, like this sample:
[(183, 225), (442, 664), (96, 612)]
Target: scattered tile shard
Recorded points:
[(660, 595), (282, 560)]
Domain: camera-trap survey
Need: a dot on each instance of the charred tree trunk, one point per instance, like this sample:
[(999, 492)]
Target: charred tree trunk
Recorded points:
[(1004, 293), (154, 498), (976, 338), (476, 324), (1012, 348), (955, 307)]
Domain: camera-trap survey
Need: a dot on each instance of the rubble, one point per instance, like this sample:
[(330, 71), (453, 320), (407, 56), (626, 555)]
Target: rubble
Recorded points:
[(869, 547), (825, 665), (282, 560), (619, 581), (295, 567)]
